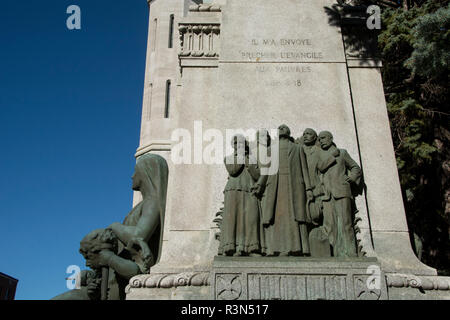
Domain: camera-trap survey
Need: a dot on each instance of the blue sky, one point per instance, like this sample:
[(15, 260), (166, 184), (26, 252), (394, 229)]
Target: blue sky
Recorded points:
[(70, 104)]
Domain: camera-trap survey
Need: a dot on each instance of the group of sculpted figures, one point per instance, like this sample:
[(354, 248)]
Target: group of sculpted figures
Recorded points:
[(122, 250), (305, 208)]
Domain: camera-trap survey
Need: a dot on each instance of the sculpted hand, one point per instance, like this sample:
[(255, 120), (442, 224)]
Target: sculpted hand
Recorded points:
[(99, 259), (104, 256), (348, 179), (256, 189), (93, 289), (336, 152), (138, 247), (309, 195)]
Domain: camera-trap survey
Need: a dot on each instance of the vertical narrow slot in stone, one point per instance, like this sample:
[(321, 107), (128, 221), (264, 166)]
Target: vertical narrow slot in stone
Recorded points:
[(172, 18), (155, 29), (166, 109), (149, 103)]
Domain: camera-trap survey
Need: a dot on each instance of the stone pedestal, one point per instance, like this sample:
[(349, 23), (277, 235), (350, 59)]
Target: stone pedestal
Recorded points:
[(293, 278)]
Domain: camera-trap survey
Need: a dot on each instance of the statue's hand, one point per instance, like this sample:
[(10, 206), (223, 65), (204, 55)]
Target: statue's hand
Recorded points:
[(348, 179), (93, 289), (100, 258), (104, 257), (256, 189), (336, 152), (309, 195), (318, 191), (141, 253), (136, 245)]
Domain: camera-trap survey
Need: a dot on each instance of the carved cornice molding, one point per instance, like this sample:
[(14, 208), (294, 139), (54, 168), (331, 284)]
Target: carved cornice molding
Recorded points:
[(156, 145), (199, 35), (166, 281), (205, 8), (199, 41), (398, 280)]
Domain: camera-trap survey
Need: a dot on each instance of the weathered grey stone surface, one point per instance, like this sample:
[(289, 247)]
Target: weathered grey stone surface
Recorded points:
[(417, 294)]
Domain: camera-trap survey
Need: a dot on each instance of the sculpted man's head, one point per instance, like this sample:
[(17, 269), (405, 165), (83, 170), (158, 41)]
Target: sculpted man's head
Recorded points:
[(309, 136), (284, 131), (150, 176), (94, 242), (325, 140)]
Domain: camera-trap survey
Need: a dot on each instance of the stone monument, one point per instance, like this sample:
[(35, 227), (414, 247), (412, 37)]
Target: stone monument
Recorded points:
[(254, 65)]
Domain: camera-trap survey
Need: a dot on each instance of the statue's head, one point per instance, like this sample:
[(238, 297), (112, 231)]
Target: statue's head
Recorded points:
[(309, 136), (284, 131), (151, 172), (240, 144), (94, 242), (325, 140), (263, 137)]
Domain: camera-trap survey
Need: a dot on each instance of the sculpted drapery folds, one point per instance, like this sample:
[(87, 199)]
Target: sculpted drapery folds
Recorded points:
[(305, 208), (284, 201), (315, 189), (240, 226), (318, 235), (129, 248)]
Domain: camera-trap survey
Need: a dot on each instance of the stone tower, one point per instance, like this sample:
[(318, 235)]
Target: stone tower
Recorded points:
[(236, 64), (161, 73)]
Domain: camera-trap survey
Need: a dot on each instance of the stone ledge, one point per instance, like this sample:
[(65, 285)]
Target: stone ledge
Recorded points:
[(205, 8), (398, 280), (156, 145), (199, 63), (158, 280)]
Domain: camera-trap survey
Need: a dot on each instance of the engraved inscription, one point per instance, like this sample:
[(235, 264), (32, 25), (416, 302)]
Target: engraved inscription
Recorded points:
[(268, 71), (283, 49), (296, 287), (282, 42)]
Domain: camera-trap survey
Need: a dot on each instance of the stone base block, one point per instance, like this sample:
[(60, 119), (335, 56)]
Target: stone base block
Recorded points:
[(297, 278), (178, 293)]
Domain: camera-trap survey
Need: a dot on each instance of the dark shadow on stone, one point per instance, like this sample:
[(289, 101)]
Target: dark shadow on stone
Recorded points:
[(360, 42)]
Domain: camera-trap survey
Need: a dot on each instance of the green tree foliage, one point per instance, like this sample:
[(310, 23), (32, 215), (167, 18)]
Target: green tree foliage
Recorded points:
[(415, 48)]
